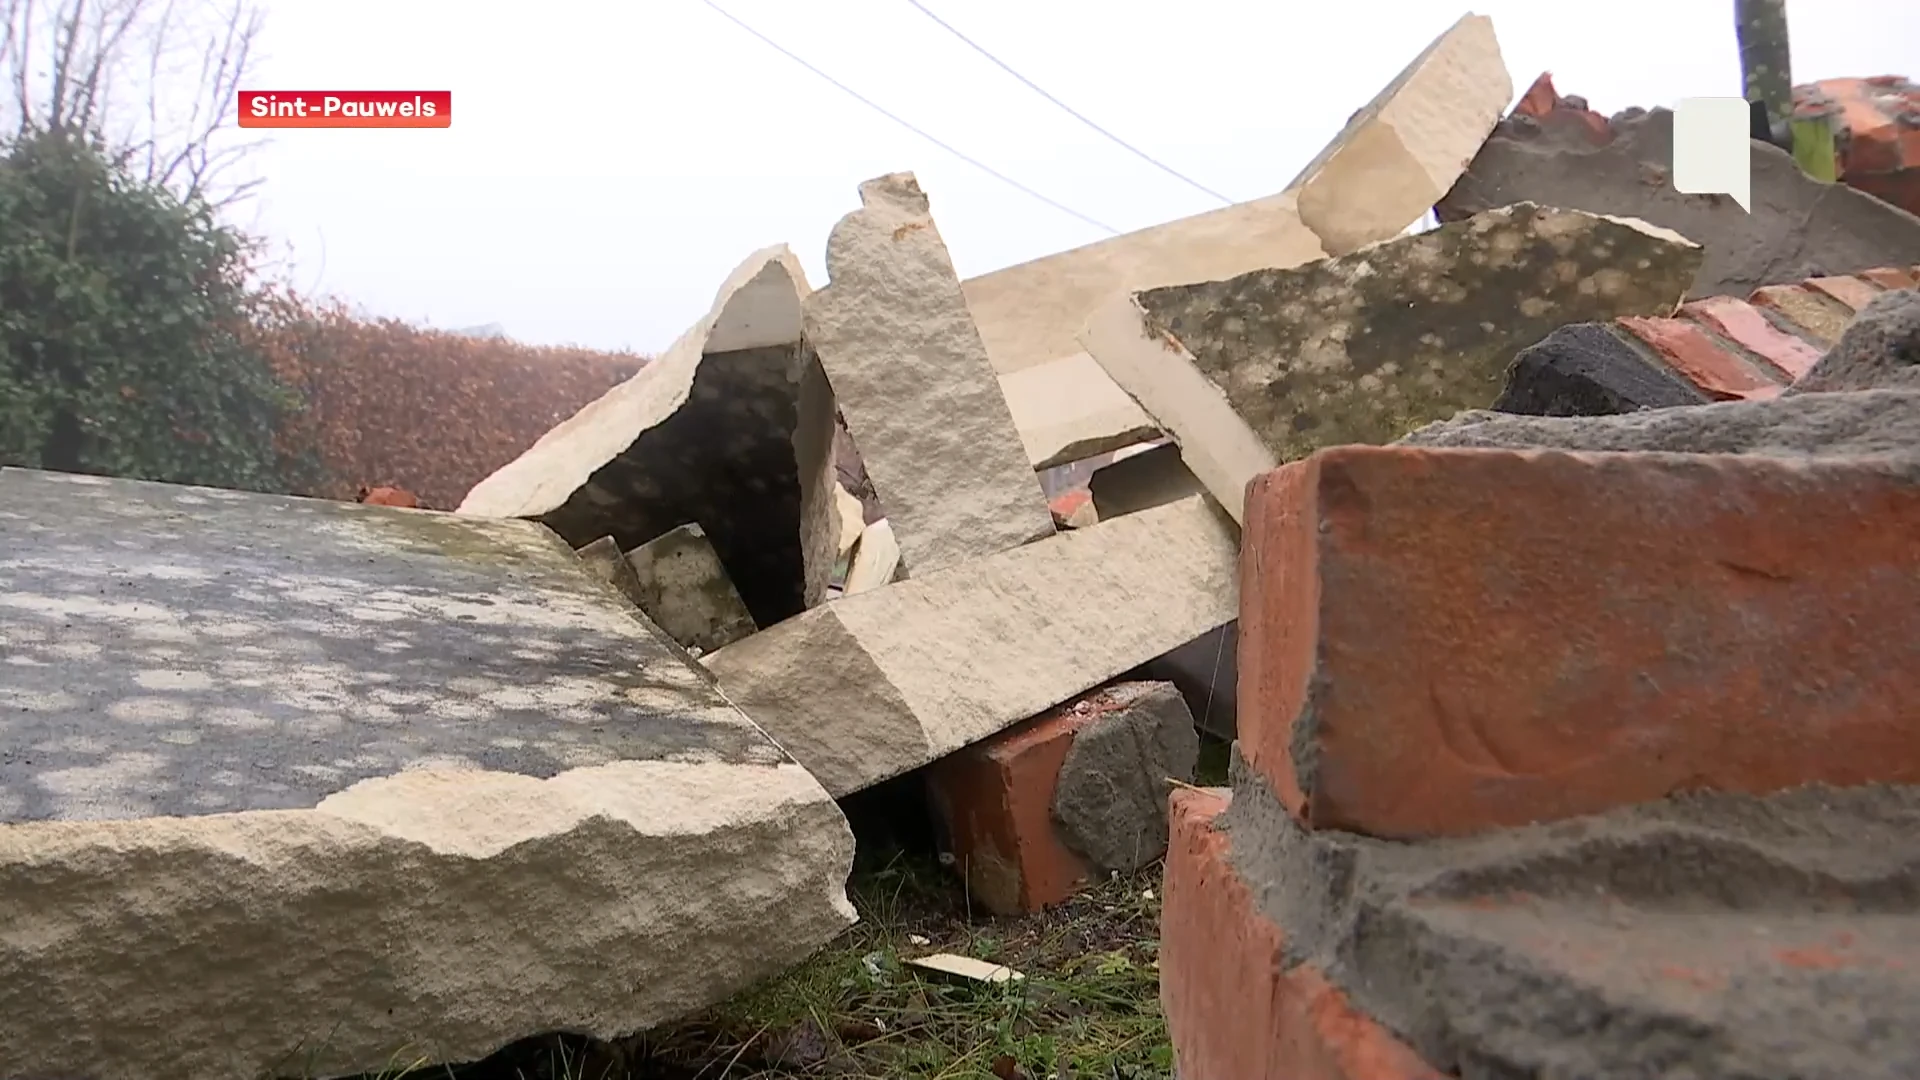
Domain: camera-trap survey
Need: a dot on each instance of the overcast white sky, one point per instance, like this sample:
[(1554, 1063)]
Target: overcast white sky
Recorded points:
[(611, 160)]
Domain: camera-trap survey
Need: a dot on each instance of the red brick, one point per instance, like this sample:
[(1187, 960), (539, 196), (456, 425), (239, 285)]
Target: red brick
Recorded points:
[(1701, 360), (1851, 291), (996, 800), (1816, 314), (1485, 638), (1891, 277), (1747, 327), (1234, 1009)]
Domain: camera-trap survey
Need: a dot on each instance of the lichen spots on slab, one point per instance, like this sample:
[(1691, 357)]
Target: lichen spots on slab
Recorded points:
[(269, 651), (1365, 347)]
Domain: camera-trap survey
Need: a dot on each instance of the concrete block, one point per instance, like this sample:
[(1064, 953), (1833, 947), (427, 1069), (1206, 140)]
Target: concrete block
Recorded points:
[(301, 781), (912, 378), (682, 586), (1266, 367), (878, 683)]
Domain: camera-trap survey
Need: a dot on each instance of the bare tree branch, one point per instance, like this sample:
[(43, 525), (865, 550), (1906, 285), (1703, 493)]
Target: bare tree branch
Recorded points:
[(190, 57)]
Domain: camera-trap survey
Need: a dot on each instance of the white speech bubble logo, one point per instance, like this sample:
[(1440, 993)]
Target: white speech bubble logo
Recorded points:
[(1711, 152)]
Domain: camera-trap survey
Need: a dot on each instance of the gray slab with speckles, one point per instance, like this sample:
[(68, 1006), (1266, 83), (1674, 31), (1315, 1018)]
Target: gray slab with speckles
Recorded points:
[(176, 651)]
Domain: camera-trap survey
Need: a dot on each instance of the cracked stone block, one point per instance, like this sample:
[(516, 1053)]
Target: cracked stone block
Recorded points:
[(284, 778)]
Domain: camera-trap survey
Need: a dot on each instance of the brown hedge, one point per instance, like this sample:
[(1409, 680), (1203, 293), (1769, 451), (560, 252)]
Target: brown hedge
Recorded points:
[(432, 413)]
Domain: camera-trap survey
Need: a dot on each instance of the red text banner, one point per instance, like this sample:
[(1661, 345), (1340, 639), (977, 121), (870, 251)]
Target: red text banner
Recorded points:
[(346, 108)]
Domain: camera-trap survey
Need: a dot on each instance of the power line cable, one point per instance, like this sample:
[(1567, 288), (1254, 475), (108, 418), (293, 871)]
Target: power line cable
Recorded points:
[(883, 111), (1068, 109)]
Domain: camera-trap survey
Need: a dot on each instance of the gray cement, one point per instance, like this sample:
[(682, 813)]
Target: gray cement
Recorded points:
[(1799, 226), (1709, 936), (1882, 424), (1111, 797), (1879, 350), (182, 651)]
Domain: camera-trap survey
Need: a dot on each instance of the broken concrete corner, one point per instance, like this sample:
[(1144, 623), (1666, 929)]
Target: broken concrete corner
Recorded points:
[(872, 685), (1269, 366), (1383, 172), (732, 427), (1402, 152), (912, 378), (443, 719)]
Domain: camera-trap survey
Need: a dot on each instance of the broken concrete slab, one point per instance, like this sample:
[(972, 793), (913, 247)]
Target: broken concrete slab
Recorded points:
[(1379, 175), (1269, 366), (224, 713), (1111, 799), (732, 427), (1799, 226), (607, 563), (685, 590), (913, 380), (1711, 935), (875, 684), (1401, 153), (1879, 350)]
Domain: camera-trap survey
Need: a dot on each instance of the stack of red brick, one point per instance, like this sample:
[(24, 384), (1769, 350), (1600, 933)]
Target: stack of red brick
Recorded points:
[(1878, 120), (1443, 647)]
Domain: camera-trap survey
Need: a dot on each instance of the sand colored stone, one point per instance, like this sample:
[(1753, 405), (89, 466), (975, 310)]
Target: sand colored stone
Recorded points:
[(1438, 642), (732, 427), (686, 592), (1379, 175), (291, 777), (876, 560), (872, 685), (1269, 366), (912, 378)]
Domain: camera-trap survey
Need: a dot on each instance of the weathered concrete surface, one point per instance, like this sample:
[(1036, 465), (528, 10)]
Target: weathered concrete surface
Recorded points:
[(1710, 935), (873, 685), (913, 381), (282, 777), (1879, 350), (732, 428), (1379, 175), (1111, 799), (1269, 366), (605, 561), (686, 592), (1877, 425), (1799, 226)]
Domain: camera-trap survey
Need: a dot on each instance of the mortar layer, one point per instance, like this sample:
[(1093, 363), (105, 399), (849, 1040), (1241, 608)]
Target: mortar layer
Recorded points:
[(1708, 936)]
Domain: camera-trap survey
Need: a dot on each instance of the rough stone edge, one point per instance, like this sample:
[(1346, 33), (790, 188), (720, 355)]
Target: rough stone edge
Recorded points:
[(615, 819), (564, 459)]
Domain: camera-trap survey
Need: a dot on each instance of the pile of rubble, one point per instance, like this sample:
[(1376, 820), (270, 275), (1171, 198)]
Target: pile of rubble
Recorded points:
[(1592, 496)]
